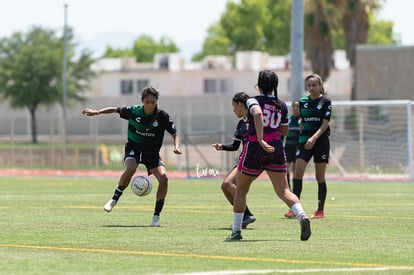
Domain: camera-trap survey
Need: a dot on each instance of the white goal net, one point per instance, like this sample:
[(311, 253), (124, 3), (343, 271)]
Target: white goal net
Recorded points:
[(372, 139), (369, 140)]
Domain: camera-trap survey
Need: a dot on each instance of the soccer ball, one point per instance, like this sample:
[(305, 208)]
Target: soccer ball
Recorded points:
[(141, 185)]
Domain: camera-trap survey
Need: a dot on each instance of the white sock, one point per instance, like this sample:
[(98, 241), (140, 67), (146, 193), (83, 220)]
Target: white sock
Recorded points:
[(298, 210), (237, 221)]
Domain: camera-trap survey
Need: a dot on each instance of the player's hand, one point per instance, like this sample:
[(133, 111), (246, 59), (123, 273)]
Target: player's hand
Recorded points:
[(218, 146), (268, 148), (177, 151), (90, 112), (310, 143)]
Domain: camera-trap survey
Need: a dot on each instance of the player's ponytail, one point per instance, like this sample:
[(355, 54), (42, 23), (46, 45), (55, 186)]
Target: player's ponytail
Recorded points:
[(267, 83)]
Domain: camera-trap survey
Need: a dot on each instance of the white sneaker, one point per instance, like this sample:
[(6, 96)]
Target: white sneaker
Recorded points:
[(109, 205), (155, 221)]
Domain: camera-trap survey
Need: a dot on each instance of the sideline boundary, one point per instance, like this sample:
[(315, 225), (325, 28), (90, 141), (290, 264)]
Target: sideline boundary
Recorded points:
[(174, 174)]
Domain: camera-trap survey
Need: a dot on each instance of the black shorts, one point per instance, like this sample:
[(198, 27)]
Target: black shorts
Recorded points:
[(151, 160), (291, 151), (319, 152), (254, 160)]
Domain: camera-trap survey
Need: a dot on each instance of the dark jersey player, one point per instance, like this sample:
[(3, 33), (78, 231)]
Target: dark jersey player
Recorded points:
[(292, 139), (146, 127), (229, 183), (315, 113), (263, 151)]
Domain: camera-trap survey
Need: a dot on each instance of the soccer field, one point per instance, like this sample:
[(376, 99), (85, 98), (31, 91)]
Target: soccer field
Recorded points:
[(56, 225)]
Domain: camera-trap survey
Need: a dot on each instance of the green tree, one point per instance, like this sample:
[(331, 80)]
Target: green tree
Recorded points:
[(318, 37), (264, 25), (252, 25), (381, 32), (144, 48), (113, 52), (329, 20), (216, 43), (31, 66)]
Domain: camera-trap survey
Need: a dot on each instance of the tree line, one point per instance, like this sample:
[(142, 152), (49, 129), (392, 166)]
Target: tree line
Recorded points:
[(31, 63)]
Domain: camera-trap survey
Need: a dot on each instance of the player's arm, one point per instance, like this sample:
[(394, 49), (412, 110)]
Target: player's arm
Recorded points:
[(284, 129), (325, 121), (227, 147), (95, 112), (312, 140), (321, 130), (284, 121), (176, 141)]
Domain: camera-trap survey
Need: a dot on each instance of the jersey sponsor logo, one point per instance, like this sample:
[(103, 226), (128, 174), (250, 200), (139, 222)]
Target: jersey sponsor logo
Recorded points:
[(310, 119), (145, 134)]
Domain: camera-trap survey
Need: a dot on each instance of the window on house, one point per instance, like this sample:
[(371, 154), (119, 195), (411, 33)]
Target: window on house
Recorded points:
[(141, 84), (163, 62), (126, 87), (210, 86), (214, 86), (226, 86)]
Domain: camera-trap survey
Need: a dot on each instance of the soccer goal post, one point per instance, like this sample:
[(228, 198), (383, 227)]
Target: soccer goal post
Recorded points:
[(373, 138)]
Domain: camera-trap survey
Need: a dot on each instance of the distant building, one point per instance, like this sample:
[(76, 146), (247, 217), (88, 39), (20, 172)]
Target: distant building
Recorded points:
[(214, 75), (384, 72)]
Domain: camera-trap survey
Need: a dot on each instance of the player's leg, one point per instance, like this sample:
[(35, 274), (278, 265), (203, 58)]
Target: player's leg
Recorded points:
[(300, 166), (229, 185), (321, 159), (282, 190), (229, 189), (320, 169), (160, 173), (130, 169), (302, 158), (239, 204)]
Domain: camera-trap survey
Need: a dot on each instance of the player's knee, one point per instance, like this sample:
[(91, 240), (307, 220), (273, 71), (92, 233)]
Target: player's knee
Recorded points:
[(225, 186), (163, 179)]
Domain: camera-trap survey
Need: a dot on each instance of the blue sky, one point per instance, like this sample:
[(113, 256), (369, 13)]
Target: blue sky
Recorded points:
[(118, 23)]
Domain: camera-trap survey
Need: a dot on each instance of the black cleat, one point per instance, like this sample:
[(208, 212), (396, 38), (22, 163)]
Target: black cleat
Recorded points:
[(234, 236), (305, 229), (248, 220)]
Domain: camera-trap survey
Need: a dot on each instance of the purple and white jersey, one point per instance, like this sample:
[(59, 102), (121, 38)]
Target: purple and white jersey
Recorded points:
[(273, 117)]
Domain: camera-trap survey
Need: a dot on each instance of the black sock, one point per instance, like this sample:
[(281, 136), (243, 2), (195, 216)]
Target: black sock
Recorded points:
[(158, 207), (322, 190), (297, 187), (247, 213), (118, 192)]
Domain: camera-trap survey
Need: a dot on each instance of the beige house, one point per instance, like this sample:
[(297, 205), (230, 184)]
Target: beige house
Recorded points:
[(215, 75)]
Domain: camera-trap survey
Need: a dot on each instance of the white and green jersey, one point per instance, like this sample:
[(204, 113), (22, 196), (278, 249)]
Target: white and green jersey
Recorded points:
[(146, 133)]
